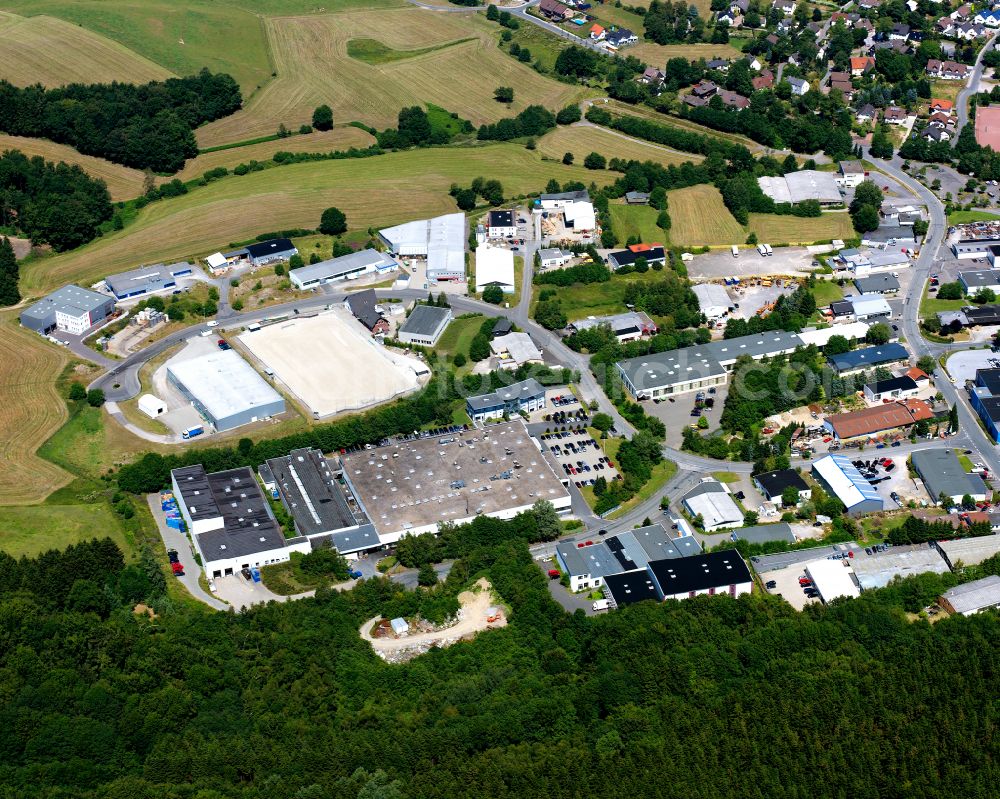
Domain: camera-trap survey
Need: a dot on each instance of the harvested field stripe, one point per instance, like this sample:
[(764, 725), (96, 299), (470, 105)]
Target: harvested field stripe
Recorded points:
[(581, 140)]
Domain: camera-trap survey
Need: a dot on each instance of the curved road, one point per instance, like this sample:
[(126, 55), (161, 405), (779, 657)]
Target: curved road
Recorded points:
[(971, 87)]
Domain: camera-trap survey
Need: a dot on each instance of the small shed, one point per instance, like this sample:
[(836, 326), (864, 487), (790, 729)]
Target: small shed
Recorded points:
[(399, 626), (151, 406), (217, 261)]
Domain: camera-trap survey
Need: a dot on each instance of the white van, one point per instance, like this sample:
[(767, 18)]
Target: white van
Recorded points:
[(768, 250), (601, 604), (736, 251)]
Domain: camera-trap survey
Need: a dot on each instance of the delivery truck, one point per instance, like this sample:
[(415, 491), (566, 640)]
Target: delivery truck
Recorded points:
[(602, 604), (191, 432)]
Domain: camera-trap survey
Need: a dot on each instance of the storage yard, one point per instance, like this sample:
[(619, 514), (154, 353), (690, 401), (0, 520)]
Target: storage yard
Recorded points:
[(330, 364)]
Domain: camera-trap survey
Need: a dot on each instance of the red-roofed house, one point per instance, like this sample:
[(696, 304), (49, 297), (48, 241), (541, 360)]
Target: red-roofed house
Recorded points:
[(945, 106), (597, 32), (918, 376), (861, 64)]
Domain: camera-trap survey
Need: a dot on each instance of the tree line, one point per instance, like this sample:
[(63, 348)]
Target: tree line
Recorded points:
[(55, 204), (148, 126)]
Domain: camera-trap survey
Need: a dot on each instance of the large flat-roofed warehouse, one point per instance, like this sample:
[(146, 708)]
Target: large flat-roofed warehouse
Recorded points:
[(317, 503), (841, 478), (974, 597), (413, 486), (806, 184), (345, 267), (833, 579), (943, 475), (229, 520), (146, 280), (424, 325), (878, 570), (225, 389), (494, 267), (969, 551), (440, 240), (70, 309)]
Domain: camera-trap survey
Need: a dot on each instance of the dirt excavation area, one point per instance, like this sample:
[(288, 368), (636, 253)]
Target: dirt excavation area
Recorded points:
[(478, 611)]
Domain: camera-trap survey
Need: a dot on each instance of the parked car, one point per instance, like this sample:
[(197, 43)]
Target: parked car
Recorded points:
[(770, 584), (554, 574), (354, 574)]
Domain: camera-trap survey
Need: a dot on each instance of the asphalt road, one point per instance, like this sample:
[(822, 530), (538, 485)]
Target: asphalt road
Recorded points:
[(971, 87)]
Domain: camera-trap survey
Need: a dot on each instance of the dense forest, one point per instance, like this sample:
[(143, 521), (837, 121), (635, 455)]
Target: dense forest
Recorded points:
[(705, 698), (53, 204), (148, 127)]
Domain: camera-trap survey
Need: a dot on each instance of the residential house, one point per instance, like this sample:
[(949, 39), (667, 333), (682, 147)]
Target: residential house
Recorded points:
[(622, 37), (597, 33), (899, 33), (701, 93), (947, 70), (799, 86), (894, 115), (868, 5), (772, 485), (936, 134), (555, 10), (786, 7), (945, 26), (991, 19), (636, 198), (851, 174), (895, 388), (718, 64), (861, 65), (969, 31), (651, 77), (727, 17), (765, 80), (865, 114), (733, 100), (841, 81), (364, 306), (963, 13)]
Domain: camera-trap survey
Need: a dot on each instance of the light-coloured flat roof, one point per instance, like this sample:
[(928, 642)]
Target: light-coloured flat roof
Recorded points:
[(223, 383), (494, 265), (712, 295), (970, 551), (821, 337), (877, 571), (832, 579)]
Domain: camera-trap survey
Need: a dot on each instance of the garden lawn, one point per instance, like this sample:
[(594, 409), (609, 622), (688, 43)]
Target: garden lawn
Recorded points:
[(636, 220)]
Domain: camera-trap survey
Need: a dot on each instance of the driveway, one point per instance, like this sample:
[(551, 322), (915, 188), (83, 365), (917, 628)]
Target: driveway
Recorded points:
[(175, 539)]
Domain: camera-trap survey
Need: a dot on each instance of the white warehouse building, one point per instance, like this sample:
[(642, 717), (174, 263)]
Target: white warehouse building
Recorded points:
[(440, 240), (494, 267)]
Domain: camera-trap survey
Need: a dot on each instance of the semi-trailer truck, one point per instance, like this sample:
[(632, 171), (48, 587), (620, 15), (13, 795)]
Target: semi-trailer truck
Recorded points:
[(191, 432)]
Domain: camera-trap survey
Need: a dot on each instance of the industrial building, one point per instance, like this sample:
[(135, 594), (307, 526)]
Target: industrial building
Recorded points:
[(630, 587), (224, 389), (943, 475), (772, 485), (879, 569), (862, 307), (630, 326), (588, 565), (877, 284), (708, 573), (440, 240), (553, 257), (973, 248), (152, 406), (316, 501), (494, 267), (969, 551), (701, 366), (424, 325), (70, 309), (551, 202), (877, 419), (975, 280), (868, 358), (852, 331), (895, 388), (412, 487), (833, 579), (841, 478), (971, 598), (970, 317), (514, 350), (500, 224), (651, 253), (984, 396), (713, 300), (147, 280), (267, 252), (230, 520), (711, 501), (806, 184), (579, 216), (526, 396), (346, 267)]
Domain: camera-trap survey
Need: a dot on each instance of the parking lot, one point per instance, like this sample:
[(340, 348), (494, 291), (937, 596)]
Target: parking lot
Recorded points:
[(899, 488), (580, 457), (786, 585), (721, 263), (678, 412)]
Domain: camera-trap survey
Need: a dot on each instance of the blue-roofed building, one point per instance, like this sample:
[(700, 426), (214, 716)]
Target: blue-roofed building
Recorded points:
[(868, 358), (147, 280), (984, 395), (841, 478)]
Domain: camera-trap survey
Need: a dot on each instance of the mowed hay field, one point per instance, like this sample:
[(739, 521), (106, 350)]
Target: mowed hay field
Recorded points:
[(657, 55), (182, 36), (123, 183), (801, 230), (30, 412), (313, 67), (381, 190), (699, 218), (636, 220), (321, 142), (584, 140), (54, 52)]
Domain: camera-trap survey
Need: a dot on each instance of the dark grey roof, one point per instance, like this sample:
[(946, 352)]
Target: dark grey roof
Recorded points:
[(989, 378), (976, 278), (524, 390), (69, 299), (904, 383), (360, 301), (775, 482), (349, 541), (700, 572), (876, 283), (578, 196), (425, 320), (869, 356), (623, 257), (597, 560), (239, 542), (943, 474), (311, 493), (841, 307), (633, 549), (502, 327), (631, 587), (501, 218), (262, 249)]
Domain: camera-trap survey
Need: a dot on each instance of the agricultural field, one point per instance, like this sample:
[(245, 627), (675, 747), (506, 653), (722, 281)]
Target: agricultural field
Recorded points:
[(381, 190), (181, 36), (123, 182), (42, 49), (584, 140), (636, 220), (699, 218), (657, 55), (32, 410), (341, 138), (801, 230), (428, 50)]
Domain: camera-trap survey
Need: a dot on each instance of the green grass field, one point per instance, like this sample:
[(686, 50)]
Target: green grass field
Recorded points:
[(964, 217), (595, 299), (30, 529), (699, 217), (582, 141), (636, 220), (372, 51), (801, 230), (826, 291), (377, 191), (931, 305)]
